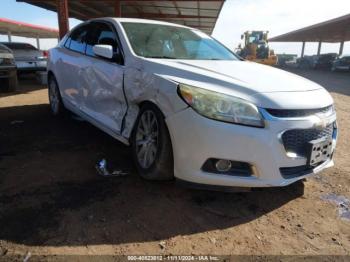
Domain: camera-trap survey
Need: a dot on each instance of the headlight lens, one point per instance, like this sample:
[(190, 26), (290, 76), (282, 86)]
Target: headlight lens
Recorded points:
[(221, 107), (7, 61)]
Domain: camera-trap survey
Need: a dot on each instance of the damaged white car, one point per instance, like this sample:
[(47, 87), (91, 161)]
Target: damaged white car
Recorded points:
[(189, 107)]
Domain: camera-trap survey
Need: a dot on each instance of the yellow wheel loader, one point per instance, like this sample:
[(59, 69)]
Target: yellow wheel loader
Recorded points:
[(256, 48)]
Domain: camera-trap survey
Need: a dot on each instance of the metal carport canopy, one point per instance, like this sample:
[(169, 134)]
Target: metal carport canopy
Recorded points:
[(201, 14), (331, 31), (10, 27), (26, 30)]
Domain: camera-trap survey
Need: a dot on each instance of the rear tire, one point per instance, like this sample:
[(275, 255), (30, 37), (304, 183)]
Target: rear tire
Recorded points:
[(151, 145), (56, 104)]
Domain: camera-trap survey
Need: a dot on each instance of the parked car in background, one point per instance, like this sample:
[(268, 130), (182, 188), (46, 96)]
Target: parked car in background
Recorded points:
[(341, 64), (189, 107), (324, 61), (306, 62), (28, 58), (286, 59), (8, 70)]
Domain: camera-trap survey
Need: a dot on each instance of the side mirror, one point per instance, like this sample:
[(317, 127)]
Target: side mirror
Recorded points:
[(105, 51)]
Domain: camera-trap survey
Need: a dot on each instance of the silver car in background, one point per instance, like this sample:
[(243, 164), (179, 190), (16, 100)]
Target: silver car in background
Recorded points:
[(8, 70), (28, 58)]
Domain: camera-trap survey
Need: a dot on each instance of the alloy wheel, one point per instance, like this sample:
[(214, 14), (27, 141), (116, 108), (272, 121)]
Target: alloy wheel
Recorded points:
[(147, 135), (54, 97)]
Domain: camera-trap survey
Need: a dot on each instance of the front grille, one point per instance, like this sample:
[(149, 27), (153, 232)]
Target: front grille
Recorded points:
[(283, 113), (296, 140)]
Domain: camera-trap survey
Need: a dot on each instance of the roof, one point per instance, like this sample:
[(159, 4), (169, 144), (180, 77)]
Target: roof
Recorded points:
[(141, 21), (331, 31), (27, 30), (201, 14)]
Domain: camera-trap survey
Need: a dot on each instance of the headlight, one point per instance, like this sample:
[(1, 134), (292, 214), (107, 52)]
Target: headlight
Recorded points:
[(7, 61), (221, 107)]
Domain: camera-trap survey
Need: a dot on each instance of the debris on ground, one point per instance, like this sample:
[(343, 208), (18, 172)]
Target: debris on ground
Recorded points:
[(342, 203), (162, 244), (213, 240), (27, 257), (103, 170), (3, 251)]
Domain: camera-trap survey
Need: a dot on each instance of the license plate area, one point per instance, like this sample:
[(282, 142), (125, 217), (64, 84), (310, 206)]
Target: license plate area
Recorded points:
[(319, 150)]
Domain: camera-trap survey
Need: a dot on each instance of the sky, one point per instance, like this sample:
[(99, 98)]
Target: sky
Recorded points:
[(237, 16)]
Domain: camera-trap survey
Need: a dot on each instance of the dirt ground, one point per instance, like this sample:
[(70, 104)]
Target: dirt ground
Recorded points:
[(53, 202)]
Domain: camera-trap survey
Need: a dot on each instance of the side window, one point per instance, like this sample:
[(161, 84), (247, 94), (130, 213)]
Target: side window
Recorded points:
[(101, 34), (67, 43), (77, 39)]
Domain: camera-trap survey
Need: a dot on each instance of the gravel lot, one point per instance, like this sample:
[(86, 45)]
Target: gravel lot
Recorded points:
[(53, 202)]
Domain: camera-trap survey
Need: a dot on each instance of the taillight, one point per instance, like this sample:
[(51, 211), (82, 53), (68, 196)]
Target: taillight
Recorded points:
[(45, 54)]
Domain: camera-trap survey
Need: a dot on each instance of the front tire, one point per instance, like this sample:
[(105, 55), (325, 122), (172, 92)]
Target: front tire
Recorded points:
[(151, 145), (55, 99)]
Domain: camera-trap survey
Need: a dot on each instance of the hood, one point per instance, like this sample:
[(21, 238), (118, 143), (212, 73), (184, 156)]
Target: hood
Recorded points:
[(252, 77), (262, 85)]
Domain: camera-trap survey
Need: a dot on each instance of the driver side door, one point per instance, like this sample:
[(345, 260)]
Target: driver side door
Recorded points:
[(103, 94)]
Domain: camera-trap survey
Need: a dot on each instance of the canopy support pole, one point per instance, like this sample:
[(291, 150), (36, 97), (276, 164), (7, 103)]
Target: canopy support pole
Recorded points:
[(62, 14), (303, 50), (319, 48), (38, 42), (9, 36), (117, 9), (341, 48)]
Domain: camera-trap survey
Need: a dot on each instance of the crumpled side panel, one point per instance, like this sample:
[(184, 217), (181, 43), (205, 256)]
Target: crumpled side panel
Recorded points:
[(142, 86), (103, 95)]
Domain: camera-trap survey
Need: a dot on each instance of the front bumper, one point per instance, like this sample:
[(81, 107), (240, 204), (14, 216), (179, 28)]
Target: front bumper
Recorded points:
[(196, 139)]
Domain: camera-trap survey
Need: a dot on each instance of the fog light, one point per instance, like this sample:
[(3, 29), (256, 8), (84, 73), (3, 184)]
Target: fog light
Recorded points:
[(223, 165)]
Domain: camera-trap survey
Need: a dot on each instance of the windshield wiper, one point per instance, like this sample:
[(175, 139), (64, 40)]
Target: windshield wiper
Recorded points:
[(164, 57)]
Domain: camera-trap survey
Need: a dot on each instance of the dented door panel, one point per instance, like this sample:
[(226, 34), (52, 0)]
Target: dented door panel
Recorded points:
[(102, 90)]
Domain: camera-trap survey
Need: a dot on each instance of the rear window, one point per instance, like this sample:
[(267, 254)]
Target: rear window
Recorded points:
[(21, 46)]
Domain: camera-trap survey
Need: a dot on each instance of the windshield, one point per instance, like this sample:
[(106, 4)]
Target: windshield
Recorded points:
[(171, 42)]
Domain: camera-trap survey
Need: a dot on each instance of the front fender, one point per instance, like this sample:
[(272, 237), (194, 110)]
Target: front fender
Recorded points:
[(140, 86)]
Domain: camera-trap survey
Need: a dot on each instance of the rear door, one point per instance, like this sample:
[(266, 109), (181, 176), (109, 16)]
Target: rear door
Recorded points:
[(103, 94)]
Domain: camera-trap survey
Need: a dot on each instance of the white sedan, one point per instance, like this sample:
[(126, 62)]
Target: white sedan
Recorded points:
[(189, 107)]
